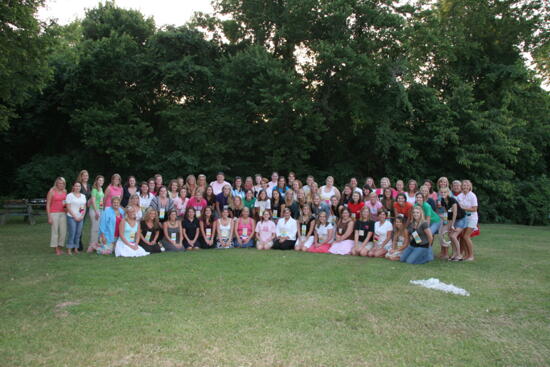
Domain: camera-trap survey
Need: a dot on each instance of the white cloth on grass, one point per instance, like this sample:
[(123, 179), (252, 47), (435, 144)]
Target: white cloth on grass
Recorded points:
[(434, 283)]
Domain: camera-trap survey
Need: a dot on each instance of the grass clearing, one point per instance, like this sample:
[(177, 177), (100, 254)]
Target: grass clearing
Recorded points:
[(242, 307)]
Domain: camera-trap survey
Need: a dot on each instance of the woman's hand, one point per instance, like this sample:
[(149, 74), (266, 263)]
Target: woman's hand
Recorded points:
[(50, 221), (96, 215)]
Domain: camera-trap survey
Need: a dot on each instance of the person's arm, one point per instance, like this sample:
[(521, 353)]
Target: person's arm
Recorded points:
[(367, 238), (453, 220), (405, 243), (155, 237), (388, 238), (311, 229), (166, 234), (196, 236), (48, 205), (122, 234), (356, 237), (349, 230), (430, 236), (201, 229), (181, 229), (252, 234), (330, 236), (69, 210), (236, 232), (184, 232), (337, 193), (315, 239)]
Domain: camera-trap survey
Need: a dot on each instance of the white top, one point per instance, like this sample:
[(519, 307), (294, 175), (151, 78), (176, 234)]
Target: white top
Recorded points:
[(225, 230), (411, 199), (263, 205), (287, 228), (76, 204), (271, 185), (381, 231), (322, 232), (145, 202), (359, 191), (468, 201), (326, 195), (217, 187)]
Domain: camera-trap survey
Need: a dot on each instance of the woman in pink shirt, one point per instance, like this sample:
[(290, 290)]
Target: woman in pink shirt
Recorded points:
[(114, 189), (181, 202), (197, 202), (55, 206), (244, 230), (374, 205), (265, 231)]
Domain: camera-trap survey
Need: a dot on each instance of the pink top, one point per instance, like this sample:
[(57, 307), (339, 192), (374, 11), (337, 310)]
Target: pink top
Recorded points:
[(197, 205), (241, 226), (181, 205), (393, 192), (111, 192), (373, 209), (56, 204), (265, 229)]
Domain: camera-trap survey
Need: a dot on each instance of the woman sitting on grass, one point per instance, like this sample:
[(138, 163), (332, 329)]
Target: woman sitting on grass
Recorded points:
[(344, 234), (225, 230), (191, 230), (127, 244), (287, 228), (323, 234), (108, 227), (306, 224), (150, 229), (208, 229), (400, 239), (364, 233), (419, 250), (382, 236), (244, 230), (265, 231), (173, 233)]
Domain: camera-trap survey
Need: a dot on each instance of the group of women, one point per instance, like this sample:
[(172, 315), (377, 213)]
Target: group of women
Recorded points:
[(398, 223)]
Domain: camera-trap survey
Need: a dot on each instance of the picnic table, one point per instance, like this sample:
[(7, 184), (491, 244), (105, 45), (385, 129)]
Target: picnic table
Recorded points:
[(26, 208)]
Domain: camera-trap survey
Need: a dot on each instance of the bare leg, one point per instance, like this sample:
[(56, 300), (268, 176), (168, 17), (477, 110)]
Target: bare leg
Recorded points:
[(469, 246)]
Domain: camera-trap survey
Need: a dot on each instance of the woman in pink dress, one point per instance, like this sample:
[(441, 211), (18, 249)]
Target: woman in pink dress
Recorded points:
[(344, 235)]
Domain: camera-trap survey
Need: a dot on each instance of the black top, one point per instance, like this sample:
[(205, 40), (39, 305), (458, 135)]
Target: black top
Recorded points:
[(87, 191), (307, 224), (432, 204), (448, 205), (276, 207), (144, 229), (294, 210), (190, 227), (365, 226), (421, 231), (126, 196)]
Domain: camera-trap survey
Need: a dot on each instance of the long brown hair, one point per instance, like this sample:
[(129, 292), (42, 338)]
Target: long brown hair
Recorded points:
[(95, 185)]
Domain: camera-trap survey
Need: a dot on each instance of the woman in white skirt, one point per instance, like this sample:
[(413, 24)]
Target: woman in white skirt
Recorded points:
[(127, 244)]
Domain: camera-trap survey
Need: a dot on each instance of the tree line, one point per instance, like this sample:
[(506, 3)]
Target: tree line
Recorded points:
[(347, 88)]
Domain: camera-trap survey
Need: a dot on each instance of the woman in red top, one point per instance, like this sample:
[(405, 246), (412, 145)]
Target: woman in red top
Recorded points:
[(401, 206), (355, 205), (55, 206)]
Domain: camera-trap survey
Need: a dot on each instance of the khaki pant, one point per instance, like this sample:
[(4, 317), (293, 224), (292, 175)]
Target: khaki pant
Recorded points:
[(59, 229), (94, 228)]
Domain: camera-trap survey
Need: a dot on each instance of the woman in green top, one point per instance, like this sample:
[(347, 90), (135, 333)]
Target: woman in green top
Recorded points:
[(249, 201), (96, 208), (433, 219)]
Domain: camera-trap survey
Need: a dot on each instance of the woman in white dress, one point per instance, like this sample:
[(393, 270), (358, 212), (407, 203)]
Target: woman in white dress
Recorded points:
[(329, 190), (129, 235)]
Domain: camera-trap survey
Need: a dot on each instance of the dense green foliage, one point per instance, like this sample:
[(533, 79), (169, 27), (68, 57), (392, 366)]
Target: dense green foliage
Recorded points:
[(347, 87)]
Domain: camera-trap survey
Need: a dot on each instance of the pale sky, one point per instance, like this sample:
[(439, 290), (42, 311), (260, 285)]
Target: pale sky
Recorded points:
[(175, 12)]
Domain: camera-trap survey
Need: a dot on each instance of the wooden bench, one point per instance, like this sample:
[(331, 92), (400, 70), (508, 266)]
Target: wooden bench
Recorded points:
[(22, 208)]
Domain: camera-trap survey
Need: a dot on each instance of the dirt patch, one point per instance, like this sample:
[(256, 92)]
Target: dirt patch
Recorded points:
[(60, 309)]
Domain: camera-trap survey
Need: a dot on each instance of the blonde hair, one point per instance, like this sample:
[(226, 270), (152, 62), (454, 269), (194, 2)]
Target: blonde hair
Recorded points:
[(422, 218), (116, 175), (79, 177), (156, 223), (59, 179)]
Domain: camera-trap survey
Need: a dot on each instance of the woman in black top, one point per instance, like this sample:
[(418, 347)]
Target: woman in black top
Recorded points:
[(150, 229), (190, 230), (276, 203), (128, 190), (364, 232)]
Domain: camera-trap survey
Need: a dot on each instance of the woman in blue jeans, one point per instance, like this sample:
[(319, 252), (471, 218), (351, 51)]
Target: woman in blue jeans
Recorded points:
[(75, 205), (419, 250)]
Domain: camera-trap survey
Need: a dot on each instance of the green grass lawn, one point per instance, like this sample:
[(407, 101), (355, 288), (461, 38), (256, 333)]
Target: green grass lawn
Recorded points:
[(250, 308)]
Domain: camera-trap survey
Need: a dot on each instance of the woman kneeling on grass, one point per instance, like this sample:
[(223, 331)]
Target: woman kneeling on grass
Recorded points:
[(208, 229), (306, 227), (108, 227), (244, 230), (265, 231), (419, 250), (364, 233), (400, 239), (323, 234), (127, 244), (382, 236), (344, 235), (287, 228), (150, 229), (225, 229), (173, 233)]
